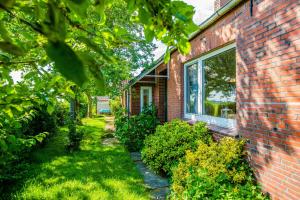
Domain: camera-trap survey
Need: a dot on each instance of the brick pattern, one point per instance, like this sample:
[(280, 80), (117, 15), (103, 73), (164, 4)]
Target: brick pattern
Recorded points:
[(268, 62), (268, 87)]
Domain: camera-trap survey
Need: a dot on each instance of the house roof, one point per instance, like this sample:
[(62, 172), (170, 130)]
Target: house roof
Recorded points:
[(204, 25), (146, 71)]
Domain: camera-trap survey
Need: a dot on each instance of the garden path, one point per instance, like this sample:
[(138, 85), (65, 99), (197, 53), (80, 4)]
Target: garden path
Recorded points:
[(158, 186)]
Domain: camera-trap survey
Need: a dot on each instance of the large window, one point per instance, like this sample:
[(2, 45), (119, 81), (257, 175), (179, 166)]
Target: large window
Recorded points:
[(219, 85), (210, 87), (192, 89)]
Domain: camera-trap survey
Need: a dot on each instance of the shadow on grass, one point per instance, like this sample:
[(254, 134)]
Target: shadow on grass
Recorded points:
[(94, 172)]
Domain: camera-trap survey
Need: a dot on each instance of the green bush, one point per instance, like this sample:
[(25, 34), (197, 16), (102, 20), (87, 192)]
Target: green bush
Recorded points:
[(168, 145), (75, 136), (41, 122), (215, 171), (115, 105), (133, 130), (62, 114)]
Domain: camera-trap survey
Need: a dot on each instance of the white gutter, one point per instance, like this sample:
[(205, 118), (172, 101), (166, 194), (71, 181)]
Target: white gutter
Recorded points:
[(212, 19)]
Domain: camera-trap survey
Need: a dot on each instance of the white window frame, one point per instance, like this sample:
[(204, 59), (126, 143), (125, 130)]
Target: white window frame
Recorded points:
[(218, 121), (142, 96)]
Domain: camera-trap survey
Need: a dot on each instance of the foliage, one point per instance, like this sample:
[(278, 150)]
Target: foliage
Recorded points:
[(89, 37), (96, 172), (115, 105), (168, 144), (133, 130), (217, 170), (27, 115), (41, 122), (75, 136), (62, 113)]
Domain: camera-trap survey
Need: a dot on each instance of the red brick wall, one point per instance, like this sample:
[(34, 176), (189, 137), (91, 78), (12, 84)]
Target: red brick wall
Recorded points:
[(268, 87)]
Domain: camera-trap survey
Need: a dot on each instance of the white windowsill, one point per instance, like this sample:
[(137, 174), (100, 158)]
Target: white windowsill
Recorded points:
[(216, 124)]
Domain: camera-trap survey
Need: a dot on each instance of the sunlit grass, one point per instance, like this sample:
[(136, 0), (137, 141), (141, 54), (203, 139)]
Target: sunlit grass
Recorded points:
[(94, 172)]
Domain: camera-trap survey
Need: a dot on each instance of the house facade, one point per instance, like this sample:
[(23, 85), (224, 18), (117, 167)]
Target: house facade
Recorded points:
[(242, 77)]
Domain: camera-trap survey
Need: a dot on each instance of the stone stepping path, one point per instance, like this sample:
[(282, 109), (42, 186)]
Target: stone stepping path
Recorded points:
[(109, 139), (158, 186)]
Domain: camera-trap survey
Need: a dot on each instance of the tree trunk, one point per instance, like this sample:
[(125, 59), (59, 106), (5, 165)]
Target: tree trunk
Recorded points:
[(90, 106)]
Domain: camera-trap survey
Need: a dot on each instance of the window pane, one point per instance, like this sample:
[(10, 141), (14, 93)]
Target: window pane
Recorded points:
[(192, 89), (220, 85), (146, 96)]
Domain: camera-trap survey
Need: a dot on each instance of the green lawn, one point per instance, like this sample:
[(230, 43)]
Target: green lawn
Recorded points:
[(94, 172)]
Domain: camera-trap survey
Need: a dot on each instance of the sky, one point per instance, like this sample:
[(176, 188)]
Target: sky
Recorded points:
[(203, 8)]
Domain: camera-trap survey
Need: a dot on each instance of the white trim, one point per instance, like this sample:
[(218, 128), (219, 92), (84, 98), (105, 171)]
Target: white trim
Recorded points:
[(185, 85), (142, 96), (228, 123)]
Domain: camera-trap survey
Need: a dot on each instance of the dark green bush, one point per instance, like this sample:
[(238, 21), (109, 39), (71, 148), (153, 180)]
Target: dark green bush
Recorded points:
[(168, 145), (133, 130), (41, 122), (62, 114), (215, 171), (75, 136), (82, 112)]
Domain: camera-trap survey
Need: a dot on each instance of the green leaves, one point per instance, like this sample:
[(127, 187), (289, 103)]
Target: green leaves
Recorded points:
[(66, 61), (144, 15), (167, 55), (78, 6), (184, 46), (100, 8), (149, 33)]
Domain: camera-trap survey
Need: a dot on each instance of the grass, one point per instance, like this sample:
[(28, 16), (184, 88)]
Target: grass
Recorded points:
[(94, 172)]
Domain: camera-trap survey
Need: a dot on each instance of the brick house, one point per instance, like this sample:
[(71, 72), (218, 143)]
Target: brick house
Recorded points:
[(242, 77)]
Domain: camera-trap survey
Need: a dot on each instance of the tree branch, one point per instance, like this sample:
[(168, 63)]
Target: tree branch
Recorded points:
[(34, 27)]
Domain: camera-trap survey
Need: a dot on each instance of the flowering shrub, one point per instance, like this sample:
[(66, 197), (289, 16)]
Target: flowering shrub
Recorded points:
[(215, 171)]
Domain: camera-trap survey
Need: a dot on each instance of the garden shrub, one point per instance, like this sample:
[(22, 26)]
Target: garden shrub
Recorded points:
[(42, 121), (62, 113), (133, 130), (168, 144), (75, 136), (115, 105), (217, 170)]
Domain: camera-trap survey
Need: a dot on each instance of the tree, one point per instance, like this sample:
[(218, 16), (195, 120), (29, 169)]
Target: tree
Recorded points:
[(73, 35)]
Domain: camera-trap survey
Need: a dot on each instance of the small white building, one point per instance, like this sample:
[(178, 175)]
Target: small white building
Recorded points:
[(103, 104)]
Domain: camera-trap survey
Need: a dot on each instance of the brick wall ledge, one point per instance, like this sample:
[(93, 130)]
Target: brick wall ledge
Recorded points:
[(232, 132)]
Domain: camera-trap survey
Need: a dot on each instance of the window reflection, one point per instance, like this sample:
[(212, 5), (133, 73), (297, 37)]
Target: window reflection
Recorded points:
[(220, 85), (192, 89), (146, 97)]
